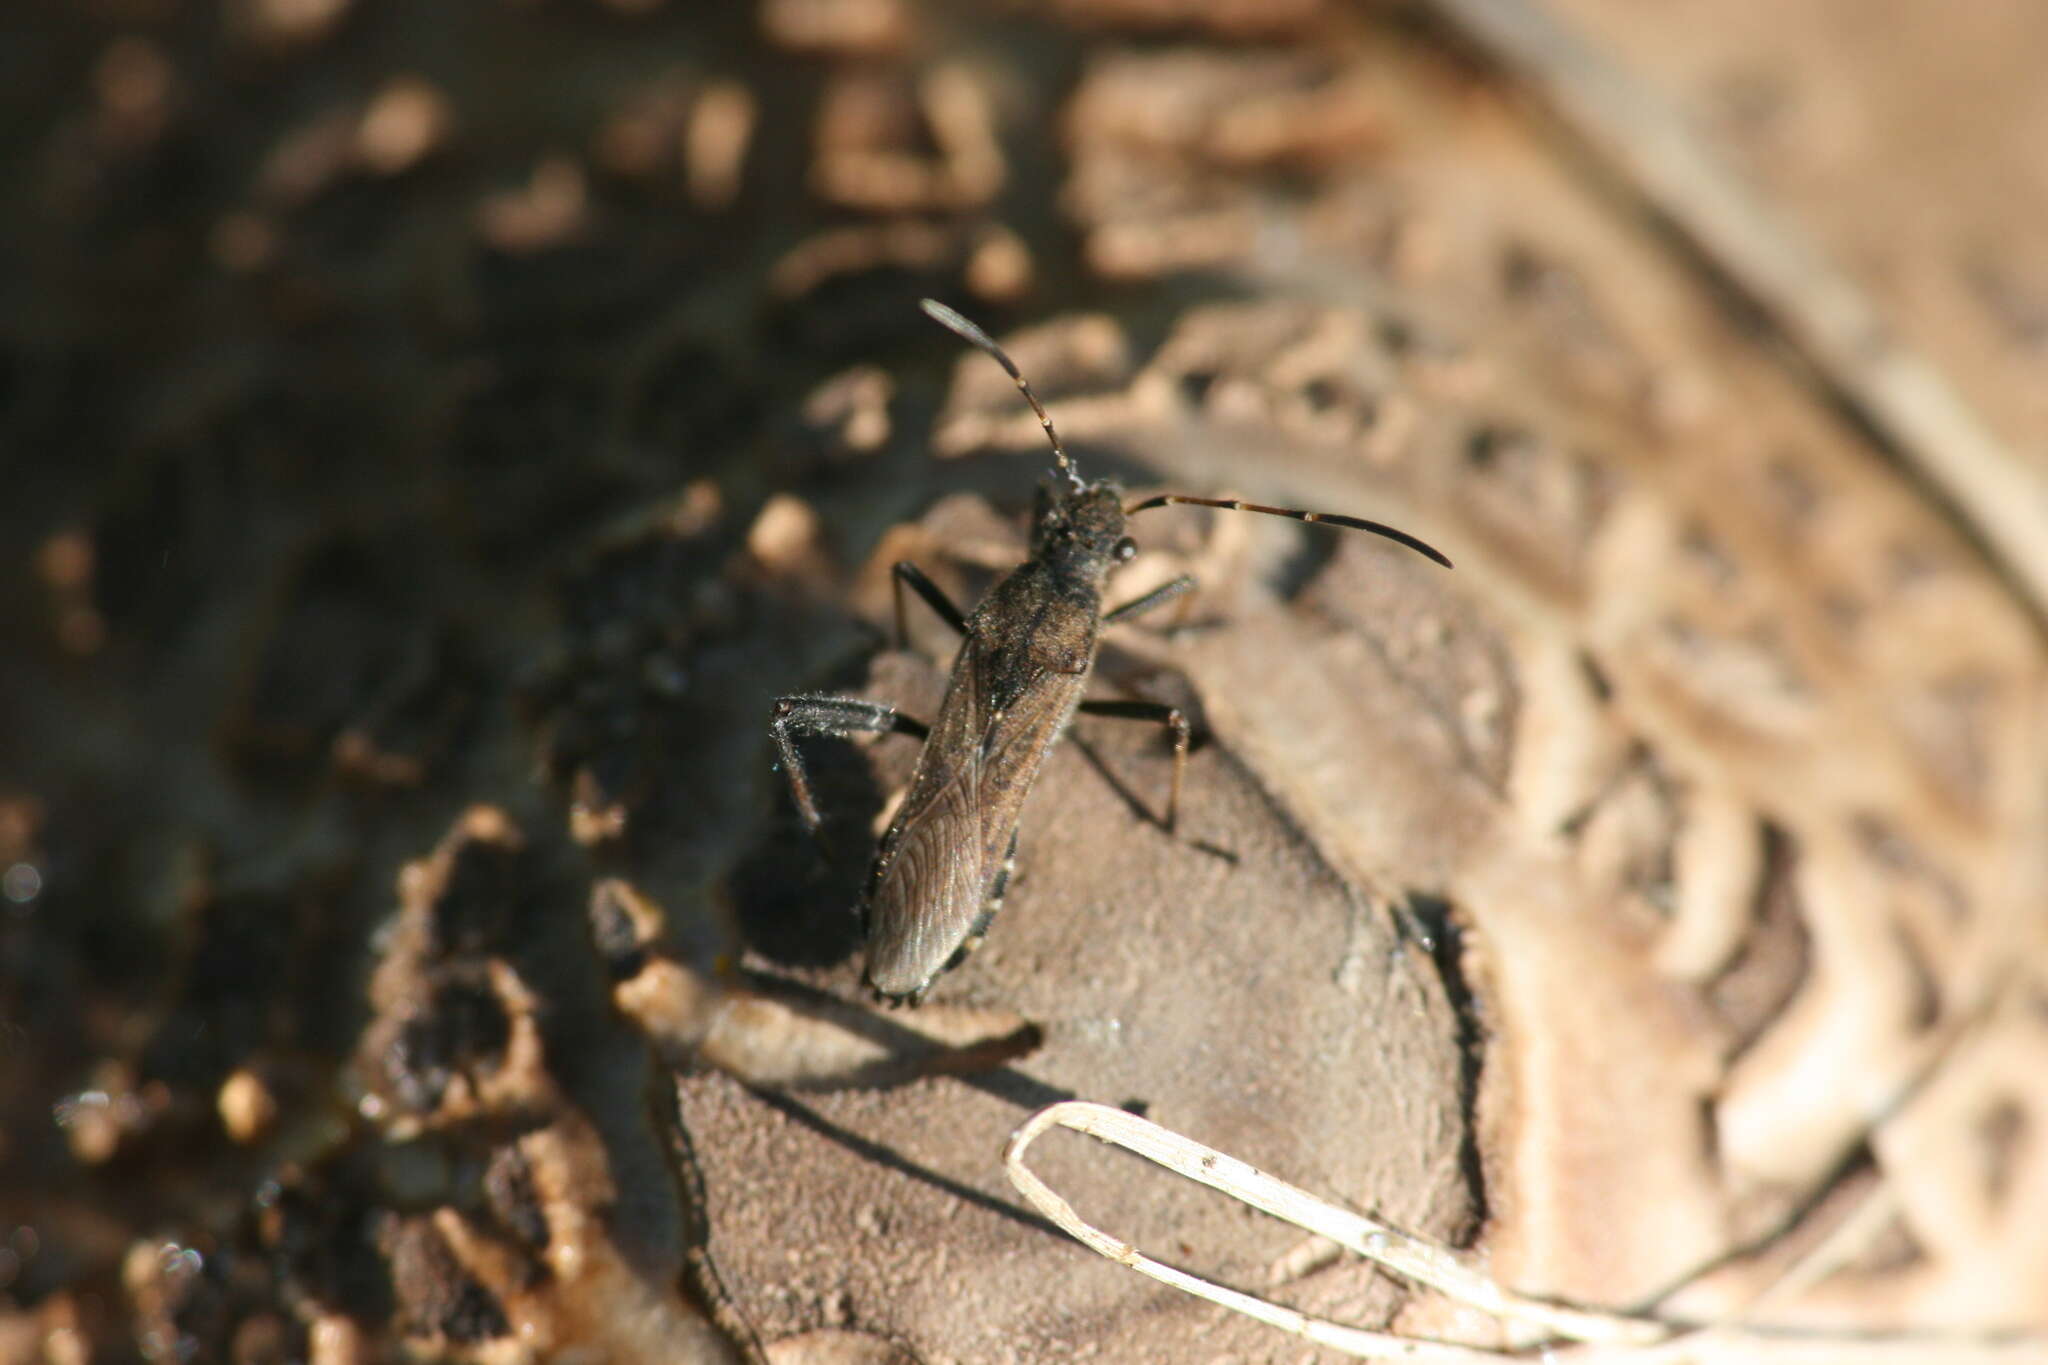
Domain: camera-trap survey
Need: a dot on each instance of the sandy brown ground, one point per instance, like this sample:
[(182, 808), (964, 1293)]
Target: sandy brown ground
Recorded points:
[(1901, 137)]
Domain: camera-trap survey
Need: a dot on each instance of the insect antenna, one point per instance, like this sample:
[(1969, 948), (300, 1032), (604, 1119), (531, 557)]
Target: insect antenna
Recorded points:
[(1420, 547), (967, 331)]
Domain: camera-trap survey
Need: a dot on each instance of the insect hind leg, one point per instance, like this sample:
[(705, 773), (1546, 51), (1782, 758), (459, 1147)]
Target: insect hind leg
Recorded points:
[(1159, 713), (840, 716)]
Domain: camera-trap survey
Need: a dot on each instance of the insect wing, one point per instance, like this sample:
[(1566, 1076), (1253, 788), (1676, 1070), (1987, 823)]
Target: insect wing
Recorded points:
[(928, 887), (947, 846)]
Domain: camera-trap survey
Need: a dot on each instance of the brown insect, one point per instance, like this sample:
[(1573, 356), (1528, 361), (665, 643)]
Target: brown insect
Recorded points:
[(1024, 660)]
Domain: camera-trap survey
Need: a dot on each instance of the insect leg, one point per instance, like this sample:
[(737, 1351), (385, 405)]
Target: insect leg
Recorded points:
[(1169, 716), (1158, 597), (842, 716), (905, 572)]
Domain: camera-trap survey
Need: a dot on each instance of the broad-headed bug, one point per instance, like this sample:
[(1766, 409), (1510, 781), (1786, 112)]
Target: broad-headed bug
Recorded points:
[(1024, 660)]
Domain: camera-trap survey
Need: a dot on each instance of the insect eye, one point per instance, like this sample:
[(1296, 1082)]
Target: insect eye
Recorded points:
[(1126, 548)]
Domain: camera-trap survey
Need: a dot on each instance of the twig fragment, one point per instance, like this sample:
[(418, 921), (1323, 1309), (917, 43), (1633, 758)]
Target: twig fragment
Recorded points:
[(1590, 1337)]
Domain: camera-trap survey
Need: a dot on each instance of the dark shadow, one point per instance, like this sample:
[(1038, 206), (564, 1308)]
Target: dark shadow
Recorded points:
[(1014, 1087), (795, 895), (1139, 809), (798, 1112), (1429, 921), (1144, 812)]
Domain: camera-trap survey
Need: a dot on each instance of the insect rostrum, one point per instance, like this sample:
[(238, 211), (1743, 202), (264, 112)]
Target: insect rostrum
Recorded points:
[(1024, 660)]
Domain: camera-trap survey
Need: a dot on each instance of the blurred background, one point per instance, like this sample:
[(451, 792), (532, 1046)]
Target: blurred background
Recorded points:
[(433, 435)]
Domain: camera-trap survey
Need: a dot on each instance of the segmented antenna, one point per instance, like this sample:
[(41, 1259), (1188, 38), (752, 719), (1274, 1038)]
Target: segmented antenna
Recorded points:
[(1420, 547), (967, 331)]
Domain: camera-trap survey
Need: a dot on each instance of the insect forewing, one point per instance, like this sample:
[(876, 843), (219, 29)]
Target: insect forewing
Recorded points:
[(945, 850), (928, 886)]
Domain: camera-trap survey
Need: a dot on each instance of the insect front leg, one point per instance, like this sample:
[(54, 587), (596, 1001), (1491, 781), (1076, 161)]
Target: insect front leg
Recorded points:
[(1158, 597), (903, 572), (1161, 714), (841, 716)]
